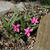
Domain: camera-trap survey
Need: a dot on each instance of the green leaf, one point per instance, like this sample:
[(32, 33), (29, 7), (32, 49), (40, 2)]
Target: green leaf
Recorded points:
[(4, 21), (32, 10), (12, 39), (14, 17), (25, 15), (18, 36), (5, 32), (21, 41), (35, 27), (5, 24)]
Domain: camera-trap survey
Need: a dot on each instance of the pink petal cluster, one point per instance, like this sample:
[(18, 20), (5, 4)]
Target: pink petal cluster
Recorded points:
[(16, 27), (27, 31), (34, 20)]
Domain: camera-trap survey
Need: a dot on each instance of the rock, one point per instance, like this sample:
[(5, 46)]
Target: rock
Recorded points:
[(6, 7), (43, 36), (20, 6), (9, 7), (44, 25)]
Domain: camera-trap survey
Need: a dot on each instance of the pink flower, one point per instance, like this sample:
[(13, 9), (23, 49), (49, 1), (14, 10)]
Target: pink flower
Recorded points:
[(27, 31), (16, 27), (34, 20)]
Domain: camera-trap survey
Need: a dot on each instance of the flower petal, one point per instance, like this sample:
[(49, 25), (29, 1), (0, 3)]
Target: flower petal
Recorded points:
[(36, 21), (27, 28), (14, 28), (32, 21), (17, 25), (34, 18), (31, 30), (17, 29), (13, 25), (28, 34)]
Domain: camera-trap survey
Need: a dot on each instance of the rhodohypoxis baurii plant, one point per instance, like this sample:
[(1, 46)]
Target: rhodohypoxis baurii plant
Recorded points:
[(26, 24), (16, 27), (27, 31), (23, 27), (34, 20)]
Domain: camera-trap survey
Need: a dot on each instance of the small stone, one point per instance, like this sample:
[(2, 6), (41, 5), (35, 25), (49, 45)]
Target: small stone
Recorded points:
[(40, 11), (31, 48), (1, 43), (34, 11), (33, 37), (5, 7), (10, 14), (6, 44), (13, 44), (27, 43)]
